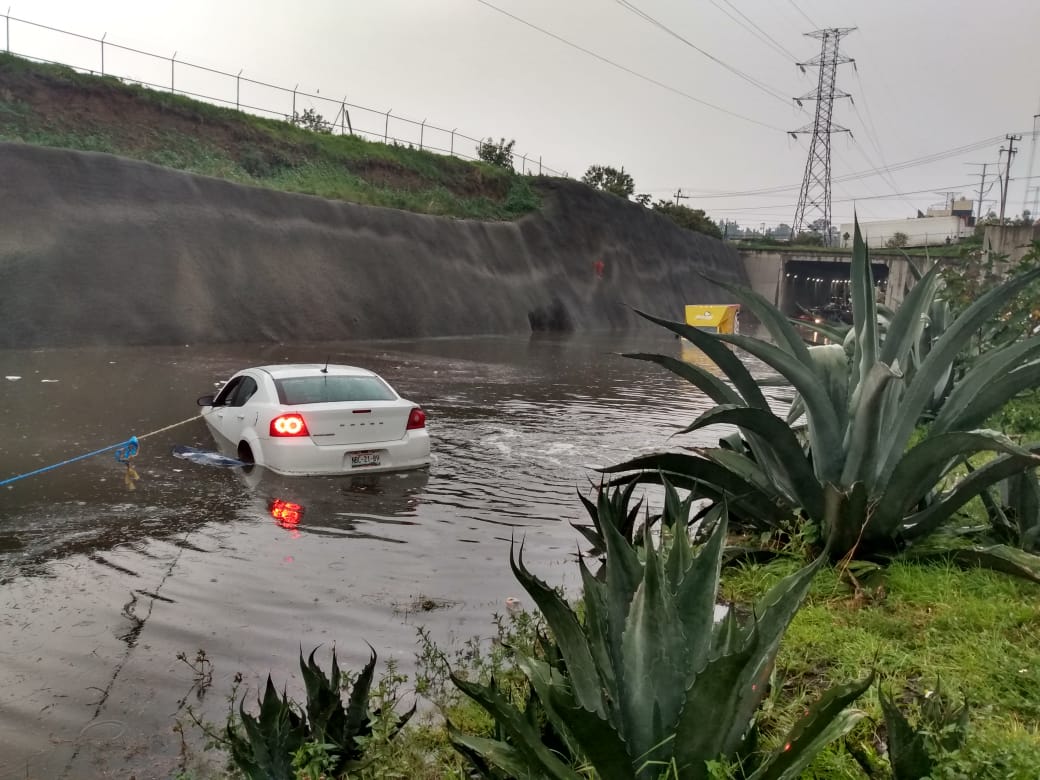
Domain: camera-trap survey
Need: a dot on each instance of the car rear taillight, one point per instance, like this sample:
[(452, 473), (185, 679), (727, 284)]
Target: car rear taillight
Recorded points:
[(417, 419), (289, 425)]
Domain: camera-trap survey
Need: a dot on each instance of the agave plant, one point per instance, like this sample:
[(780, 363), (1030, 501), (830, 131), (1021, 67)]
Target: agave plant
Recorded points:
[(273, 737), (651, 682), (858, 477), (914, 750)]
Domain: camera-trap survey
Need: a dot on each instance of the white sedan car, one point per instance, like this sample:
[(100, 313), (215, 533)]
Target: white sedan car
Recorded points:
[(314, 419)]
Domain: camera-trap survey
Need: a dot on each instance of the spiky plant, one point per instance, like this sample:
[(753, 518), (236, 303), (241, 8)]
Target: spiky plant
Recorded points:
[(650, 680), (861, 478), (274, 736)]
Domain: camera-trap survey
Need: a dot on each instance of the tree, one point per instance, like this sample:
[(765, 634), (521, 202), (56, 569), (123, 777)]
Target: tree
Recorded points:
[(643, 199), (685, 217), (608, 179), (311, 120), (500, 154), (898, 239)]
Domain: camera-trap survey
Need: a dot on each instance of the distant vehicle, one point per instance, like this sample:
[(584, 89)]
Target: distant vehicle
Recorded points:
[(314, 419)]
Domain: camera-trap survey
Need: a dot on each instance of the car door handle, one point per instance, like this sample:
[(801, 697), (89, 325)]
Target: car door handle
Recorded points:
[(241, 416)]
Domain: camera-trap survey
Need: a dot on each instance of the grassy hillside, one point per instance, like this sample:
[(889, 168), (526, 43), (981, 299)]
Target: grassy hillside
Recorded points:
[(52, 105)]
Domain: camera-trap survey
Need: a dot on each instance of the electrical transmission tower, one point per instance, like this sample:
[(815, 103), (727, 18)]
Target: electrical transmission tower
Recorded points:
[(814, 202)]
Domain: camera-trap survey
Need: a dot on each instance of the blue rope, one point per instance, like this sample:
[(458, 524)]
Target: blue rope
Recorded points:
[(124, 451)]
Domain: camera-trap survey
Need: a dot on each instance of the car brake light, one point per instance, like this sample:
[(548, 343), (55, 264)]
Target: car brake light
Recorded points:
[(416, 419), (289, 425)]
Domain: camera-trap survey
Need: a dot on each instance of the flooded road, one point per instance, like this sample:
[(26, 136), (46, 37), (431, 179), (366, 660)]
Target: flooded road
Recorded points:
[(101, 586)]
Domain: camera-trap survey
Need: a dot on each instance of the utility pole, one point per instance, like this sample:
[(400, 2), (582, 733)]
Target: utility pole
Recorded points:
[(815, 196), (1029, 168), (982, 188), (1011, 152), (678, 194)]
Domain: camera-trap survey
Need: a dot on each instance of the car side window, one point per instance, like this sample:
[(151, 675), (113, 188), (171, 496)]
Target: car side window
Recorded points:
[(246, 389), (224, 396)]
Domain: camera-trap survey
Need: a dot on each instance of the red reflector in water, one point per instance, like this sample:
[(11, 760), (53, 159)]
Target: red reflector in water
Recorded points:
[(286, 513)]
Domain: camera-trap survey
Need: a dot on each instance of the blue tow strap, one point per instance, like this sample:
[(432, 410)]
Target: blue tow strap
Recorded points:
[(125, 450)]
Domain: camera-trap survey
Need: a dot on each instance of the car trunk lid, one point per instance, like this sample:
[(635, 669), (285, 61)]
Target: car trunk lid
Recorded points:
[(332, 425)]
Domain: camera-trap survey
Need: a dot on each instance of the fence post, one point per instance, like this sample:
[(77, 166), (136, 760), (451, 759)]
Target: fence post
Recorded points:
[(8, 17), (103, 53), (346, 115), (173, 63), (422, 132), (238, 89), (539, 165), (294, 102), (523, 165), (452, 152), (386, 128)]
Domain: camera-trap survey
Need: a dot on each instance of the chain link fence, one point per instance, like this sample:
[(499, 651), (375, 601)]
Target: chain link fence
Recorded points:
[(98, 56)]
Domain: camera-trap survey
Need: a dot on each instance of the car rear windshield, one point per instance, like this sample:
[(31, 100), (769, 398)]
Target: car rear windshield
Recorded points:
[(293, 391)]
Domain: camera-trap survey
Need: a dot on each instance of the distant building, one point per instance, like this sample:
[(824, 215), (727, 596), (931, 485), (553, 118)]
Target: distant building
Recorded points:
[(922, 231)]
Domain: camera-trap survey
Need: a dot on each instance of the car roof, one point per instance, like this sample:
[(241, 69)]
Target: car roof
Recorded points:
[(294, 370)]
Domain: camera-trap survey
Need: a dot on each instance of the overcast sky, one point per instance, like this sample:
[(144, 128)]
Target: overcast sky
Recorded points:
[(933, 76)]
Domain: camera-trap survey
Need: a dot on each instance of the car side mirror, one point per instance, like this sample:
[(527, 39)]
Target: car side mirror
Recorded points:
[(205, 400)]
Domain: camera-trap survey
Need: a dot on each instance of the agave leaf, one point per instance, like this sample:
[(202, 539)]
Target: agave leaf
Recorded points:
[(325, 712), (543, 678), (604, 748), (694, 467), (274, 736), (1000, 387), (485, 753), (924, 464), (940, 357), (832, 364), (734, 683), (832, 332), (653, 649), (864, 308), (907, 751), (825, 721), (566, 630), (748, 507), (909, 321), (357, 705), (598, 631), (997, 557), (720, 355), (750, 472), (864, 435), (696, 591), (922, 523), (783, 333), (825, 434), (717, 390), (538, 761), (797, 473)]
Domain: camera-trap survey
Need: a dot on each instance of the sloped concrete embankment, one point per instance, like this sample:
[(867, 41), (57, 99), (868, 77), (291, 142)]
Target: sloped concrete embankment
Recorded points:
[(96, 249)]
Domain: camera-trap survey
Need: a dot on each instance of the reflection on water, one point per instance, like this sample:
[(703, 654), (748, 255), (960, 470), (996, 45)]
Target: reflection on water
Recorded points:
[(102, 586)]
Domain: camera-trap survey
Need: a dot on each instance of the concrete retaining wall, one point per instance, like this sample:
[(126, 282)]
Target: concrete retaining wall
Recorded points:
[(100, 249)]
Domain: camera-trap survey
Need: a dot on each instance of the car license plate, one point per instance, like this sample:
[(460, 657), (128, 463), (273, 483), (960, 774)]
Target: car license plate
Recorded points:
[(364, 459)]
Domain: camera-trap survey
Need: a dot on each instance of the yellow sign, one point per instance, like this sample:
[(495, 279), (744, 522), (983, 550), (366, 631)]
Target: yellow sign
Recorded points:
[(721, 318)]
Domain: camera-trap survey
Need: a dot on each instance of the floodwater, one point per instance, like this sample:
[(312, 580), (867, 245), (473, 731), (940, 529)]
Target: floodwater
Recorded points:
[(102, 586)]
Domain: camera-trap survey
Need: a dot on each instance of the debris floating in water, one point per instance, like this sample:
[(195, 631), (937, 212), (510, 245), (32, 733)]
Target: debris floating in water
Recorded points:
[(49, 381), (205, 458), (12, 378)]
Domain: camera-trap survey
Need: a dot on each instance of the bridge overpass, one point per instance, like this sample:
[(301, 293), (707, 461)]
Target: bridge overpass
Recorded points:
[(799, 278)]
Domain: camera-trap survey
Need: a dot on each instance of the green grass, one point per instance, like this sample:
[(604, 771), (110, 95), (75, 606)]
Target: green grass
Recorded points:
[(189, 135), (977, 632)]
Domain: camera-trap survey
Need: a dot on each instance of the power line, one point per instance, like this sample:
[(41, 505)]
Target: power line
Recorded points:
[(773, 93), (804, 15), (762, 35), (902, 165), (638, 75)]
